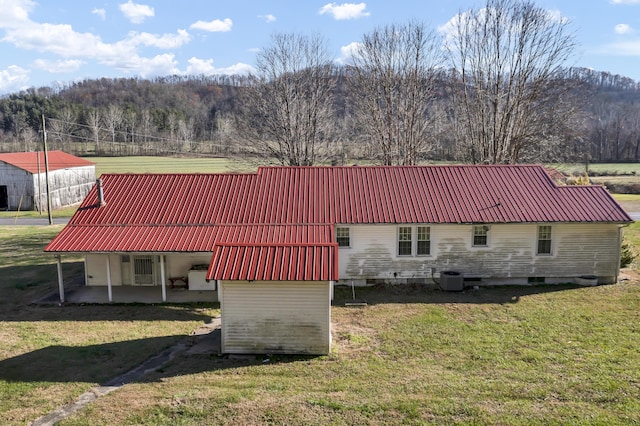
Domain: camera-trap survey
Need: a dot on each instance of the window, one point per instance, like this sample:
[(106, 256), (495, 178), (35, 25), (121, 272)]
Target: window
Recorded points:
[(544, 239), (480, 235), (342, 237), (424, 241), (404, 241)]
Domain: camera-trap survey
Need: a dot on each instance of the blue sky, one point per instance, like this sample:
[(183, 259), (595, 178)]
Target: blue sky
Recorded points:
[(46, 42)]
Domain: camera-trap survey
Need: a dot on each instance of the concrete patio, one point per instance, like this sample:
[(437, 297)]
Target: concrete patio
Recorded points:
[(133, 294)]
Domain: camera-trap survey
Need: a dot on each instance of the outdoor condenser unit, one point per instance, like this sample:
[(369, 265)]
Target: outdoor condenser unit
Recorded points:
[(451, 281)]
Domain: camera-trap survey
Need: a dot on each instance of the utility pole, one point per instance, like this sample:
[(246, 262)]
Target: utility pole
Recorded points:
[(46, 169), (39, 185)]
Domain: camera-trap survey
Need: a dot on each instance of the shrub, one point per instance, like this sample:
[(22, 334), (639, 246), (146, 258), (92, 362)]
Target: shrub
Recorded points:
[(627, 254)]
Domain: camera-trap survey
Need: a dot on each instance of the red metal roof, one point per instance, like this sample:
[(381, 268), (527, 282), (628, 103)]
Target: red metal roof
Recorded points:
[(274, 262), (181, 238), (425, 194), (57, 160), (186, 212)]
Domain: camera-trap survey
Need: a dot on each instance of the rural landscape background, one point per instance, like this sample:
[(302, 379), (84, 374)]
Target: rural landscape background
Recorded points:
[(505, 355), (547, 354)]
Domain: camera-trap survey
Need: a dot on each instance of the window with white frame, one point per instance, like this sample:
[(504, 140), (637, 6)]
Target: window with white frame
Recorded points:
[(405, 242), (343, 237), (544, 239), (480, 233), (424, 241)]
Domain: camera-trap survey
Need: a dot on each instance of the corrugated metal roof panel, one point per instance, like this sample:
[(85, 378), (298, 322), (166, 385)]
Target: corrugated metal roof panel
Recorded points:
[(174, 212), (180, 238), (57, 160), (274, 262), (425, 194)]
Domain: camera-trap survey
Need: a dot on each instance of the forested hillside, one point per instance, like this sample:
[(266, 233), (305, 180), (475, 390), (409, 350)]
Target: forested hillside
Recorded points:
[(200, 116)]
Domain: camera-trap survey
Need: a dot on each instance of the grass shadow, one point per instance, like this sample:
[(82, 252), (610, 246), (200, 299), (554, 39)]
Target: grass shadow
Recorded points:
[(408, 293), (122, 312), (135, 361), (91, 364)]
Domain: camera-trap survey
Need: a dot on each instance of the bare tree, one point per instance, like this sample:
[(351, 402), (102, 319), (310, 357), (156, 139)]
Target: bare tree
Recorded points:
[(508, 57), (62, 129), (392, 82), (288, 106), (113, 117), (93, 121)]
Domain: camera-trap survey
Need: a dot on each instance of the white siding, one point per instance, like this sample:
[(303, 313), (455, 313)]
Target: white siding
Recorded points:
[(96, 269), (577, 249), (275, 317)]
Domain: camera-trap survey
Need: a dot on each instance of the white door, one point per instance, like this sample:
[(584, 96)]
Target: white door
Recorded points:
[(143, 270)]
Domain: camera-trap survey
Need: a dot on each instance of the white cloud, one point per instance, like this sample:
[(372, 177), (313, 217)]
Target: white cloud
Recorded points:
[(267, 18), (100, 12), (165, 41), (13, 78), (623, 29), (214, 26), (136, 13), (345, 11), (60, 66), (14, 13), (347, 52), (625, 1), (205, 67)]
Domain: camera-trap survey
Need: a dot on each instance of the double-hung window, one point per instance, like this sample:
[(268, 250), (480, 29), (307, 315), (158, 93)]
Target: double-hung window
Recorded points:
[(424, 241), (343, 237), (544, 239), (405, 242), (480, 234)]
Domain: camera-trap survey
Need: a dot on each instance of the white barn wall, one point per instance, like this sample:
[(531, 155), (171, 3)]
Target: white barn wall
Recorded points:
[(67, 186), (578, 249), (276, 317), (19, 186), (26, 190)]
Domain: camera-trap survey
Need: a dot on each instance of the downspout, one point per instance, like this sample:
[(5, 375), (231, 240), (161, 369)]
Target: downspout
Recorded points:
[(163, 279), (60, 278), (109, 289)]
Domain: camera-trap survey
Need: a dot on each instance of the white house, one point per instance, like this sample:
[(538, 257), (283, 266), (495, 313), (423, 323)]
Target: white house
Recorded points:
[(23, 184), (274, 242)]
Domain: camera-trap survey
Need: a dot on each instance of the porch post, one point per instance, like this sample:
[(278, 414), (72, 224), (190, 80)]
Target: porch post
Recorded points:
[(162, 279), (109, 289), (60, 278)]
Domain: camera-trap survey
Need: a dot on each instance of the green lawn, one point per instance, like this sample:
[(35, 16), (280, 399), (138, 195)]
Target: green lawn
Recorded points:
[(608, 168), (510, 355), (164, 165)]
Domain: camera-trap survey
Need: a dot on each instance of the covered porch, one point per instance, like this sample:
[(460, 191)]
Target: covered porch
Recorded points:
[(140, 278)]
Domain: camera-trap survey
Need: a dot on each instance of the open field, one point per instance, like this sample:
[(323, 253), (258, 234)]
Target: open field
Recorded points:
[(610, 169), (164, 165), (511, 355)]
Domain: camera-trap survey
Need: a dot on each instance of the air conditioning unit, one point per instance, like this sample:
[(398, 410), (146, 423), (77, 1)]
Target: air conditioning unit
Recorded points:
[(451, 281)]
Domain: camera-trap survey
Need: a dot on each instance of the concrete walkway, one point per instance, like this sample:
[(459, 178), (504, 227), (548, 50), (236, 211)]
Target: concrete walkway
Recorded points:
[(207, 342), (130, 294)]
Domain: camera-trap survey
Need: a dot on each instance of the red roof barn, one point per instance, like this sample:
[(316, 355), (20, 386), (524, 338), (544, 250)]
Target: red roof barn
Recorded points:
[(23, 180)]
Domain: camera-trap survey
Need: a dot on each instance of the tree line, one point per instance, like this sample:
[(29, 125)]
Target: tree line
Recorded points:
[(494, 87)]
